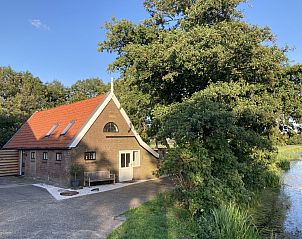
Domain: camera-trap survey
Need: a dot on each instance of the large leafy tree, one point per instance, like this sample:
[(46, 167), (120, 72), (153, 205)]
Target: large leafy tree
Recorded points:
[(21, 94), (217, 85), (186, 45)]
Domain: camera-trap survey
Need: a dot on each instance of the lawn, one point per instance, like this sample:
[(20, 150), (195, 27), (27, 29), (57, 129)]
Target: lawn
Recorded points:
[(158, 218), (289, 152)]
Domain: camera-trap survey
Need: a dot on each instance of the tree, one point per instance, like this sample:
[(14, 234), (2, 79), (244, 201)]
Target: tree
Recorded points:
[(56, 93), (202, 42), (221, 153), (217, 85), (84, 89), (21, 94)]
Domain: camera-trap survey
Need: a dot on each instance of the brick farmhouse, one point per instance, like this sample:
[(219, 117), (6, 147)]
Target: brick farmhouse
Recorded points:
[(96, 133)]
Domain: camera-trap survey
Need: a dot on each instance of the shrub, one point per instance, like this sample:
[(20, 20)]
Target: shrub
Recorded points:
[(227, 222), (295, 139), (284, 164), (76, 169)]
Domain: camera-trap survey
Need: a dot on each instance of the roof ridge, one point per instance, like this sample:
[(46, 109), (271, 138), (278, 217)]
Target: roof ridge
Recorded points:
[(72, 103)]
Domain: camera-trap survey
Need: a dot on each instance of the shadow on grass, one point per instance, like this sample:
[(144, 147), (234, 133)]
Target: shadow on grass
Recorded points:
[(159, 218)]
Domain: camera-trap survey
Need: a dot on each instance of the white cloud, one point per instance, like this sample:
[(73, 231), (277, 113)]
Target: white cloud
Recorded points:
[(37, 23)]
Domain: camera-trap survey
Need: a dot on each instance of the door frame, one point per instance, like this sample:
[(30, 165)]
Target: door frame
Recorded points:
[(131, 160)]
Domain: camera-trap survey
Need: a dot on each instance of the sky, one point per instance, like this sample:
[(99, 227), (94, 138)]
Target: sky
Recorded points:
[(58, 40)]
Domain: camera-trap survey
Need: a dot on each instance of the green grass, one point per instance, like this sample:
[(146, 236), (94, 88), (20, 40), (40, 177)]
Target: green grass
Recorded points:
[(158, 218), (289, 152), (228, 222)]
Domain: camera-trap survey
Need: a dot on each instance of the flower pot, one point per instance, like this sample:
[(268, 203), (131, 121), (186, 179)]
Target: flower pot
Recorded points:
[(75, 183)]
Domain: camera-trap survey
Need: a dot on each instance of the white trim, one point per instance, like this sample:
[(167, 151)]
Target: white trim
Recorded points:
[(125, 152), (77, 138), (20, 161), (139, 158), (137, 136), (95, 115)]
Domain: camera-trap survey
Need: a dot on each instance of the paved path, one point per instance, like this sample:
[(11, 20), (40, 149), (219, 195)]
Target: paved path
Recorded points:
[(31, 212)]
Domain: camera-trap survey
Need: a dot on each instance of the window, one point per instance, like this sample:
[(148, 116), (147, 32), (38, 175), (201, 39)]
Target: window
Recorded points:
[(59, 156), (125, 160), (68, 127), (90, 156), (136, 159), (33, 156), (52, 129), (129, 158), (45, 155), (110, 127)]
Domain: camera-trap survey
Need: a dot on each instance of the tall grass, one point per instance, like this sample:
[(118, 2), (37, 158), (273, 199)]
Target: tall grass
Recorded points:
[(228, 222)]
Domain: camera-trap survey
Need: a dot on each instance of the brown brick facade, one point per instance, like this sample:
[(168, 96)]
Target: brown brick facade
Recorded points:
[(49, 169), (108, 145)]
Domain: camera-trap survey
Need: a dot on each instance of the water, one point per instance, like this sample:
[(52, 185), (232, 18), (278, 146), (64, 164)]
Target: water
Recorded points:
[(292, 188)]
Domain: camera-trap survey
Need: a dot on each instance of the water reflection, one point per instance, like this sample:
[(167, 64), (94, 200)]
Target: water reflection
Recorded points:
[(293, 190)]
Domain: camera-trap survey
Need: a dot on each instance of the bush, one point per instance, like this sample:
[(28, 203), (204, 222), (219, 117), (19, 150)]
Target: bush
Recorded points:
[(295, 139), (76, 169), (227, 222), (284, 164)]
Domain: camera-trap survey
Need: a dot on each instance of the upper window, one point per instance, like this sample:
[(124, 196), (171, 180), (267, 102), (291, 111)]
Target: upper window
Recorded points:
[(110, 127)]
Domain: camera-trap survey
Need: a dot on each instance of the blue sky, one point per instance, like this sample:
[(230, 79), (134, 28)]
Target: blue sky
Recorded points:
[(55, 39)]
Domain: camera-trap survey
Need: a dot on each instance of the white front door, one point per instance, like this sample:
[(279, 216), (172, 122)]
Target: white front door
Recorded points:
[(126, 169)]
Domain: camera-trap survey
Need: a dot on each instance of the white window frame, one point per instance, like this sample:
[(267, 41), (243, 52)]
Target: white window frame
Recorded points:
[(46, 153), (90, 152), (139, 158), (131, 157), (59, 153)]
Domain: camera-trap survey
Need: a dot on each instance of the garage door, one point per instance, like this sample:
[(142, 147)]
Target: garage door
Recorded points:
[(9, 162)]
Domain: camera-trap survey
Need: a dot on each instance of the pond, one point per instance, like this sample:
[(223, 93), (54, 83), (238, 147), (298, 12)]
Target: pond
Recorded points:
[(292, 189)]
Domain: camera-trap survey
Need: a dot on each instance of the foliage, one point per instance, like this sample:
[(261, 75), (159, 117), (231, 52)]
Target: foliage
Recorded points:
[(158, 218), (223, 152), (88, 88), (226, 222), (171, 64), (295, 139), (136, 104), (21, 94), (56, 93), (76, 169)]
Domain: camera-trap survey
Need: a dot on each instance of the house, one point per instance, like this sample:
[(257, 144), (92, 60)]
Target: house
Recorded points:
[(96, 133)]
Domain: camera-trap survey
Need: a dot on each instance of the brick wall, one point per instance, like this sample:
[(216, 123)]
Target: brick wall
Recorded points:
[(108, 145), (50, 169)]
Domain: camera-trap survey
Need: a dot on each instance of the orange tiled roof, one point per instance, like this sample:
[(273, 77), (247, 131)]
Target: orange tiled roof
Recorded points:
[(32, 134)]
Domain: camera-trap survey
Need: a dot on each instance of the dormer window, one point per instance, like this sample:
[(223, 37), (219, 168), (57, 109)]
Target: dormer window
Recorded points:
[(52, 130), (110, 128)]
